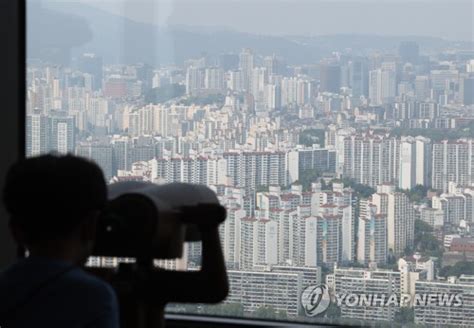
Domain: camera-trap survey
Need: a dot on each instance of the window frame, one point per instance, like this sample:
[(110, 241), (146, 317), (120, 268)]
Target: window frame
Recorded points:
[(12, 115)]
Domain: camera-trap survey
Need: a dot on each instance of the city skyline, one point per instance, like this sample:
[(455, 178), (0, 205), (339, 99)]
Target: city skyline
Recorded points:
[(342, 161)]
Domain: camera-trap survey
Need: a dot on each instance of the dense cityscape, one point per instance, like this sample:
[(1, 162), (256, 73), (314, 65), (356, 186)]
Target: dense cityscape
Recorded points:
[(356, 171)]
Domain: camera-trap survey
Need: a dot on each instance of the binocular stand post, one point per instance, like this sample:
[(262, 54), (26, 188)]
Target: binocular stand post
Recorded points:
[(138, 307)]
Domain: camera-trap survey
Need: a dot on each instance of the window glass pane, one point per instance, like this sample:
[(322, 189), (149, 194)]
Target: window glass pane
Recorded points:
[(338, 134)]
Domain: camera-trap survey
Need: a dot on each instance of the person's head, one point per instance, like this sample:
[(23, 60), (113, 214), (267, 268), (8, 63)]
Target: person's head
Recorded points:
[(54, 202)]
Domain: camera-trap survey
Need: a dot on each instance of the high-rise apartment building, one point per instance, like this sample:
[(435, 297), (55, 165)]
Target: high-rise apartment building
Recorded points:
[(372, 234), (415, 162), (400, 218), (452, 162), (246, 66), (371, 159)]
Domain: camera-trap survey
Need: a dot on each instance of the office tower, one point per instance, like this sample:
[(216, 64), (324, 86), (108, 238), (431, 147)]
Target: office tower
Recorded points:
[(372, 235), (63, 137), (415, 162), (214, 80), (409, 52), (228, 61), (92, 64), (330, 78), (145, 75), (195, 78), (382, 86), (359, 77), (400, 218), (422, 87), (246, 66), (441, 79), (467, 90), (452, 162)]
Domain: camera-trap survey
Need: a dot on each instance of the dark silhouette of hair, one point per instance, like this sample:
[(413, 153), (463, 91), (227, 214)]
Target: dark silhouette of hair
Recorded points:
[(48, 196)]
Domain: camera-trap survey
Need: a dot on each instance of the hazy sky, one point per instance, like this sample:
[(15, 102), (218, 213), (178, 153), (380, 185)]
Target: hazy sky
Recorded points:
[(451, 19)]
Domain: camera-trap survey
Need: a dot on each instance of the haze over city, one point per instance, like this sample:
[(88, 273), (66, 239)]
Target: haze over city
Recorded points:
[(338, 135)]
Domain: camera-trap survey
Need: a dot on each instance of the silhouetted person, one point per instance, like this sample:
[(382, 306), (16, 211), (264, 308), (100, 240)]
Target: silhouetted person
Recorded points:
[(144, 290), (54, 203)]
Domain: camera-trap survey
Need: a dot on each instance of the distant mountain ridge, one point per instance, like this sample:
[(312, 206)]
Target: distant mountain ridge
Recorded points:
[(73, 28)]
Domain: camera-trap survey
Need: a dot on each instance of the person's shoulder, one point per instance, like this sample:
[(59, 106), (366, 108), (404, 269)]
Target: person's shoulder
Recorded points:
[(95, 288)]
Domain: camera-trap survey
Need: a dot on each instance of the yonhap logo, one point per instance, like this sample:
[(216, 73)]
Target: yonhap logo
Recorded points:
[(315, 299)]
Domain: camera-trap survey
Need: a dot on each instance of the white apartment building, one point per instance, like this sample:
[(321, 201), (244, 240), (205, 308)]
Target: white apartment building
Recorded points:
[(278, 287), (372, 235), (437, 315), (456, 205), (363, 281), (452, 162), (371, 159), (400, 217), (415, 162)]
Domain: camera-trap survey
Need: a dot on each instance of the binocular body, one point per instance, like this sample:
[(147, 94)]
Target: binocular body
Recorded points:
[(149, 221)]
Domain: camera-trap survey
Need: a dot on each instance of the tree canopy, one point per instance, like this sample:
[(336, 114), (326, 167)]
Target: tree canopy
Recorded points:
[(463, 267), (165, 93), (437, 134), (363, 191), (312, 136), (417, 194), (203, 100)]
